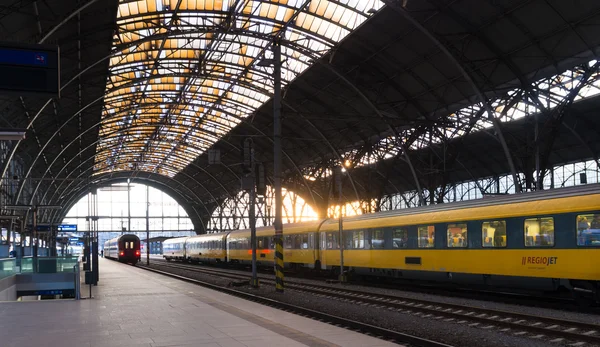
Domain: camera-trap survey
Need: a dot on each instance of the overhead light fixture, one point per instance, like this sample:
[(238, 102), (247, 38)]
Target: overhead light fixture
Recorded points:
[(12, 134)]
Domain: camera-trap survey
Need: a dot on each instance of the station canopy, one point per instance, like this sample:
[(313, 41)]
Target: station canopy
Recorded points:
[(183, 73)]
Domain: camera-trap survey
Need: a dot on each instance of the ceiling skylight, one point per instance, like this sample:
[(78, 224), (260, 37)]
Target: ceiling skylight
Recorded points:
[(185, 71)]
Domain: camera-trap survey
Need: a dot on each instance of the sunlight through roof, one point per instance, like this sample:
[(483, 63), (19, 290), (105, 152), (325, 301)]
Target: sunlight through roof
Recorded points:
[(184, 72)]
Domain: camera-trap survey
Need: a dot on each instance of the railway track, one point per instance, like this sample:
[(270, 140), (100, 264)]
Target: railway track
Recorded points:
[(382, 333), (514, 298), (523, 325)]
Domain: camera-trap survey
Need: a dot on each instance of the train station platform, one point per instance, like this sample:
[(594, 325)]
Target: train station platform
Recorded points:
[(134, 307)]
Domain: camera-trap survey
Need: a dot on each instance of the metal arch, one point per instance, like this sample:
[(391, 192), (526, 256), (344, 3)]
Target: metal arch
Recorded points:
[(184, 193), (399, 9), (527, 87), (148, 38), (582, 141), (249, 16), (52, 137), (310, 190), (91, 167), (66, 19), (252, 62), (52, 31), (85, 162), (16, 145), (76, 196), (177, 195), (75, 188), (566, 102), (335, 151), (81, 110), (178, 191), (376, 110)]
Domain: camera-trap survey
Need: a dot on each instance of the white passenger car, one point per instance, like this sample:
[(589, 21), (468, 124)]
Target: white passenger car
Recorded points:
[(174, 249)]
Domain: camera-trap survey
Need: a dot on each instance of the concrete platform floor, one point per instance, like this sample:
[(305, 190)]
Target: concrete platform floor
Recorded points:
[(133, 307)]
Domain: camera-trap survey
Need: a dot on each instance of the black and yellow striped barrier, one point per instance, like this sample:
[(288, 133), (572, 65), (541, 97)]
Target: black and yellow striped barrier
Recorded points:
[(279, 264)]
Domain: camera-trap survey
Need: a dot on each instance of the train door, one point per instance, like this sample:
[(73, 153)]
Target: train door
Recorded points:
[(322, 250), (313, 243)]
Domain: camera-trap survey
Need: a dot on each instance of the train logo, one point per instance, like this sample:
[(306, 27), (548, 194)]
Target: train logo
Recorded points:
[(539, 261)]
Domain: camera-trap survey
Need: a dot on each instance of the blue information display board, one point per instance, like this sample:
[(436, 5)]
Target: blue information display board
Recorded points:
[(29, 69), (20, 57), (67, 227)]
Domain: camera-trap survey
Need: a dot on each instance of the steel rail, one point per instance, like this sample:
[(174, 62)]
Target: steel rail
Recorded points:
[(364, 328), (516, 322)]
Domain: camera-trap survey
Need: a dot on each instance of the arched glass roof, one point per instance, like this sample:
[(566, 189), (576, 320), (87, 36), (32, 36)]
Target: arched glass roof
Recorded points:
[(184, 72)]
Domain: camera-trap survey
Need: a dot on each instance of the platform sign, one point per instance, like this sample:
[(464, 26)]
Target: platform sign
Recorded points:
[(39, 228), (67, 227), (29, 69)]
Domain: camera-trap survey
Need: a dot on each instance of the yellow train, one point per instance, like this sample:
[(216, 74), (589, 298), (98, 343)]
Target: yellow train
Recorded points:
[(542, 240)]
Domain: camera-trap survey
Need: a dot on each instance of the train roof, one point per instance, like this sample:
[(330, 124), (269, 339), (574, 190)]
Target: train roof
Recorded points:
[(176, 240), (295, 228), (563, 200), (114, 239), (207, 237)]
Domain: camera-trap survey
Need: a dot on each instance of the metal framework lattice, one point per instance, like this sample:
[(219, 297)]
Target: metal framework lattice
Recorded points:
[(233, 214), (185, 72), (546, 95)]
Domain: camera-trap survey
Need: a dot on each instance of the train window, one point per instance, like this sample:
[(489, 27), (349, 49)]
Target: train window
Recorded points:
[(400, 238), (347, 239), (332, 241), (358, 239), (493, 234), (287, 242), (588, 230), (377, 239), (304, 241), (297, 241), (426, 236), (539, 232), (457, 235)]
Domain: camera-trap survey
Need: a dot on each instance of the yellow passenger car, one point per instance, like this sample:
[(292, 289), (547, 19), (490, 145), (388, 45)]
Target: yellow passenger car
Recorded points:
[(538, 239), (299, 242), (207, 248)]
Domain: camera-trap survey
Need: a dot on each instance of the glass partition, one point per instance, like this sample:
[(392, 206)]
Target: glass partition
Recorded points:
[(8, 267), (26, 265), (49, 264)]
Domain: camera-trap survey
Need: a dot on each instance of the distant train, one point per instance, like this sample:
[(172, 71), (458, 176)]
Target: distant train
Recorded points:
[(125, 248), (544, 240)]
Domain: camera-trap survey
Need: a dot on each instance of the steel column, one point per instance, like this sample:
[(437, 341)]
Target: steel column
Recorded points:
[(277, 166), (148, 225)]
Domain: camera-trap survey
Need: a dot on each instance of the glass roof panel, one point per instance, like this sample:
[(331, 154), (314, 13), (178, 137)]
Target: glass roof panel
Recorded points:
[(184, 72)]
